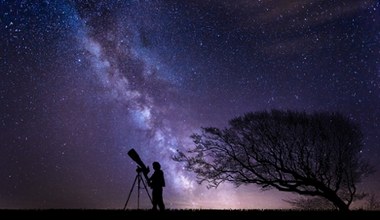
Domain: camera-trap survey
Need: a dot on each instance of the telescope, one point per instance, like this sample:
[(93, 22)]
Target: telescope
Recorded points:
[(141, 168), (140, 165)]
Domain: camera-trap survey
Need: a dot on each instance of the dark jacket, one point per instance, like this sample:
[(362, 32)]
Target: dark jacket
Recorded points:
[(157, 180)]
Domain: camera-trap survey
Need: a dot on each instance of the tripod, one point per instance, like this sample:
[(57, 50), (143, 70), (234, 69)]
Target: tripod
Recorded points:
[(139, 179)]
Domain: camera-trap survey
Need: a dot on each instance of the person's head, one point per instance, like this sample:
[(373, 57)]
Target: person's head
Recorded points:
[(156, 165)]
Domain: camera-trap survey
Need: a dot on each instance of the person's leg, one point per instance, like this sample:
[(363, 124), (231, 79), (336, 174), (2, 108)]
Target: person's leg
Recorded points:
[(161, 205), (160, 201), (154, 199)]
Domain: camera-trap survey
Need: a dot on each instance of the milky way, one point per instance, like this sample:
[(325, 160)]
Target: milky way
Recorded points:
[(83, 82)]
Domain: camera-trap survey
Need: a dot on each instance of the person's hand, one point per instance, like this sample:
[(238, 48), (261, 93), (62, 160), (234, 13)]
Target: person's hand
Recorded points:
[(146, 171)]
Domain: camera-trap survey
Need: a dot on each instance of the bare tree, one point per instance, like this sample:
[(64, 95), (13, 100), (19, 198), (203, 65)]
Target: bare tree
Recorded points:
[(310, 154)]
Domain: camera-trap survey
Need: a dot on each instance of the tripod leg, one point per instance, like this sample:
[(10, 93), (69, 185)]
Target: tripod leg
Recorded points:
[(138, 191), (130, 192), (146, 189)]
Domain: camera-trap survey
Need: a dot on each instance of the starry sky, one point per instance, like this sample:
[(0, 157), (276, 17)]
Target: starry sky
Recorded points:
[(83, 82)]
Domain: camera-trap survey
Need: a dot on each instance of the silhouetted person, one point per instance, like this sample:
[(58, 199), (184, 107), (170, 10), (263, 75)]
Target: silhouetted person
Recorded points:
[(157, 182)]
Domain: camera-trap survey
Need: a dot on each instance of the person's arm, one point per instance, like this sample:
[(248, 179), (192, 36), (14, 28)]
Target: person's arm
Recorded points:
[(150, 181)]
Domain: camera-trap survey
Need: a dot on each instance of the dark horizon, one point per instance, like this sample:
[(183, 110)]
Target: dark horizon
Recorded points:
[(192, 213)]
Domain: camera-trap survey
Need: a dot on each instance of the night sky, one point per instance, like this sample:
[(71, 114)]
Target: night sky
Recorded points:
[(83, 82)]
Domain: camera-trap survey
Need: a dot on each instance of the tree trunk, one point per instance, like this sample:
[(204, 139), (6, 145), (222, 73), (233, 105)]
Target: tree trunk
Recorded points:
[(338, 202), (343, 207)]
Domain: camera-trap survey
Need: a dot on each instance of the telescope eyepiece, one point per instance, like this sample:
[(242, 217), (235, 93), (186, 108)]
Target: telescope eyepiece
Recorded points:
[(142, 170)]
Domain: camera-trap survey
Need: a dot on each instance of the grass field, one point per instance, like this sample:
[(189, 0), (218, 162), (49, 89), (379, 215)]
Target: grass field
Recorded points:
[(200, 214)]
